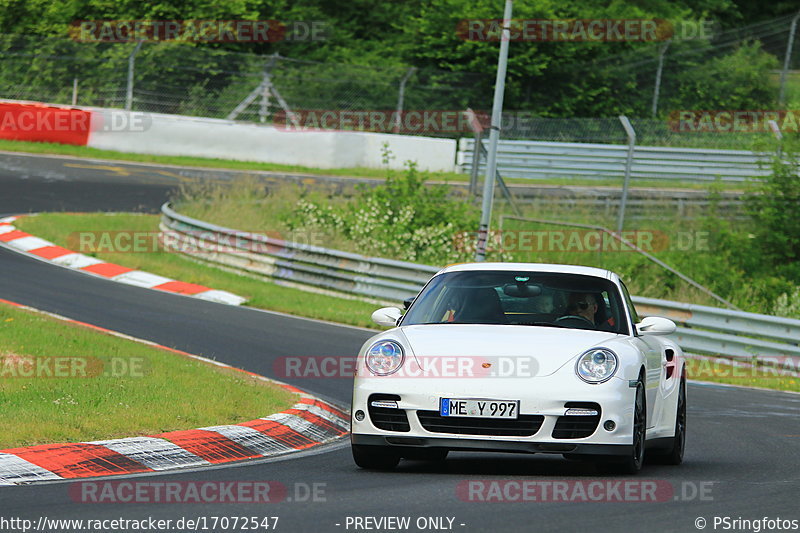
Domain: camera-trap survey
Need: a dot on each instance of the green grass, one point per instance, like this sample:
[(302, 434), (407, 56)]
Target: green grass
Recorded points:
[(374, 173), (153, 391), (63, 229)]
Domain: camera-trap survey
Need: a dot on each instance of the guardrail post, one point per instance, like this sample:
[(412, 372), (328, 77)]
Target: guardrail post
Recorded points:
[(628, 162)]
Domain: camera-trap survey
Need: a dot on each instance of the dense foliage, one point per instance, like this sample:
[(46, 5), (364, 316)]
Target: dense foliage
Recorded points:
[(547, 78)]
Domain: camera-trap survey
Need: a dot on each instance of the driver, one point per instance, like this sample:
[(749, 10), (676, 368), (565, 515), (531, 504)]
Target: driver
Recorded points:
[(582, 305)]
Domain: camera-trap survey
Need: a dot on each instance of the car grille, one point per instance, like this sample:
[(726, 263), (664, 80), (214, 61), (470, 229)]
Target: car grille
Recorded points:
[(524, 426), (577, 427), (387, 418)]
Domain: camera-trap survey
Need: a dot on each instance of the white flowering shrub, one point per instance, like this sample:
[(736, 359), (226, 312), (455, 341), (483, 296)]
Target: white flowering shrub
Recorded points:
[(788, 305)]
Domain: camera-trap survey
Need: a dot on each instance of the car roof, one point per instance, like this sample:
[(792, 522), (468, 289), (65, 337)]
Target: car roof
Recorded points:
[(536, 267)]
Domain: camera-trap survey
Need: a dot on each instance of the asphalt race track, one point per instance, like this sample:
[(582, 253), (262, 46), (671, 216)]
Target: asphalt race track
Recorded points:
[(743, 449)]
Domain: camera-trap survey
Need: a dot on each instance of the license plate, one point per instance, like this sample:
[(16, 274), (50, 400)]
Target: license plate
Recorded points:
[(479, 408)]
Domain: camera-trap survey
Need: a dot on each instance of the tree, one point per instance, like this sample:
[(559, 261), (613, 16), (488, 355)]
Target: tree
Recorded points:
[(775, 214)]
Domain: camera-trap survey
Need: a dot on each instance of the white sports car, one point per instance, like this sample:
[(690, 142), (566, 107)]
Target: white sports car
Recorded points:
[(520, 357)]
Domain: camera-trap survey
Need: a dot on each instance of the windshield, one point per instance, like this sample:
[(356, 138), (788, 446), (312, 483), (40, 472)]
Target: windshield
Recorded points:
[(521, 298)]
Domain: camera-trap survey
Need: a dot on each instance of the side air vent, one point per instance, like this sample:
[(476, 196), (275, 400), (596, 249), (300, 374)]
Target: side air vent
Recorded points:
[(669, 354)]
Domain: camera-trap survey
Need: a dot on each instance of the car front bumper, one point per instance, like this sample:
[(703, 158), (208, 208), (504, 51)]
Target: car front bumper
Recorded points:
[(542, 397)]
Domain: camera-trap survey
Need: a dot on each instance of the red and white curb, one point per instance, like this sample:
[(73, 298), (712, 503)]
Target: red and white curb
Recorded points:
[(20, 241), (308, 423)]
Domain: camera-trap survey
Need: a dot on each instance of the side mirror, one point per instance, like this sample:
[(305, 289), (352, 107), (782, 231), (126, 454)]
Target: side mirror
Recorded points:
[(387, 316), (656, 325), (408, 301)]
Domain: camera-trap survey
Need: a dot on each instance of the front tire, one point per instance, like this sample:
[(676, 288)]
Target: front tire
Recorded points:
[(674, 455), (632, 463), (374, 457)]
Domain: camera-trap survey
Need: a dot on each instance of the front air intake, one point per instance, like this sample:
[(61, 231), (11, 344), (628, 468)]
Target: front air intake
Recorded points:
[(387, 418), (577, 426)]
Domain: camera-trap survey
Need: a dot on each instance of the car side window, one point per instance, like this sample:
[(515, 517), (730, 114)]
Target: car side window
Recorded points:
[(629, 303)]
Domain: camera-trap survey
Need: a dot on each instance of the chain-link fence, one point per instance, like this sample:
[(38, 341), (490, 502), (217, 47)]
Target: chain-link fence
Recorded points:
[(650, 81), (659, 76), (201, 81)]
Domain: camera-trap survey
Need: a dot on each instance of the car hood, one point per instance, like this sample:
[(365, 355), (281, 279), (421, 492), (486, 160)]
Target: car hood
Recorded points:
[(547, 348)]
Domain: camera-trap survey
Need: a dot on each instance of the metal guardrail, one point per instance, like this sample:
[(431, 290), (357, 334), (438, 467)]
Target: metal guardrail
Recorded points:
[(735, 334), (537, 160), (701, 329), (294, 263)]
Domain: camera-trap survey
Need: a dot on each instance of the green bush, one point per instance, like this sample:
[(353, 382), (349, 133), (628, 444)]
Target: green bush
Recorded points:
[(402, 219), (739, 80), (758, 259), (775, 213)]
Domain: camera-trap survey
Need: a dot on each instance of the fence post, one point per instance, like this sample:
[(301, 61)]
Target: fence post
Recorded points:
[(263, 110), (662, 51), (476, 162), (477, 149), (628, 162), (494, 135), (74, 91), (776, 130), (401, 95), (131, 63), (787, 57)]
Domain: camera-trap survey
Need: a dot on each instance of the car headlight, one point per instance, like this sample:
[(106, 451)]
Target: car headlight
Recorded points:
[(384, 358), (596, 365)]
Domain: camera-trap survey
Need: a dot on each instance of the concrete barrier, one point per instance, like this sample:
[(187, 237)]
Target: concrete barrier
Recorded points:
[(159, 134)]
